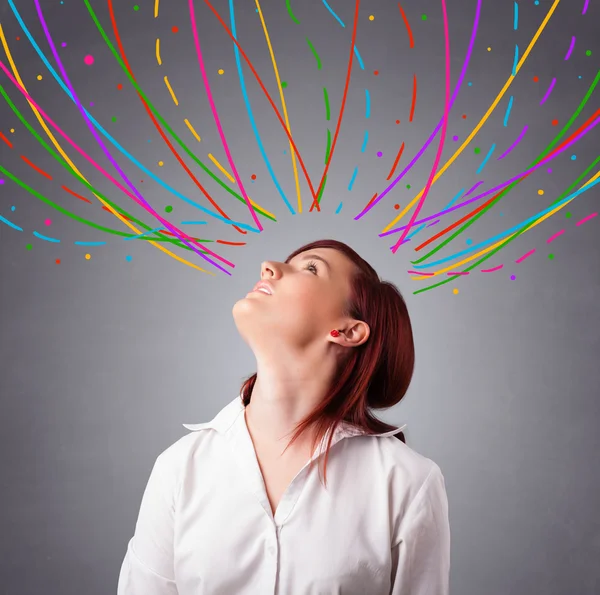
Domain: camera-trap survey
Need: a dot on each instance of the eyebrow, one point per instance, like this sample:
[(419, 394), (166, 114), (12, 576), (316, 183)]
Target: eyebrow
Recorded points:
[(316, 257)]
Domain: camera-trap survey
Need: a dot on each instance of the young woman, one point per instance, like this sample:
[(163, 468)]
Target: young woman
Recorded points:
[(235, 507)]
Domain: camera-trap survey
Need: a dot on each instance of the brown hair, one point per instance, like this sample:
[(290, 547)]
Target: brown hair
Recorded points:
[(376, 374)]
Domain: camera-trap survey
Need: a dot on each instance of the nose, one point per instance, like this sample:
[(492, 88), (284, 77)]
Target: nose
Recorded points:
[(269, 270)]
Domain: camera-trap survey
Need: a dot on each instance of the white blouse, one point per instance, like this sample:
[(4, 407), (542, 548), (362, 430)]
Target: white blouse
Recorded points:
[(205, 525)]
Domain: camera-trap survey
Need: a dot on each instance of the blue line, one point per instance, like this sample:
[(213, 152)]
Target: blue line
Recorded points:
[(10, 224), (516, 16), (510, 103), (360, 62), (89, 243), (512, 229), (39, 235), (514, 70), (353, 178), (250, 114), (339, 208), (368, 103), (364, 145), (141, 235), (112, 140), (193, 223), (333, 13), (487, 157)]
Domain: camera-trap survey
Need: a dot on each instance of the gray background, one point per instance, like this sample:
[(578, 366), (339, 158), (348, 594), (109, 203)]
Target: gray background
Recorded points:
[(102, 360)]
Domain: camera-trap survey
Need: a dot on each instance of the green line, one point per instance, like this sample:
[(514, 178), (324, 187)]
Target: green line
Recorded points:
[(326, 99), (516, 182), (509, 240), (322, 190), (328, 148), (289, 9), (163, 121), (314, 53)]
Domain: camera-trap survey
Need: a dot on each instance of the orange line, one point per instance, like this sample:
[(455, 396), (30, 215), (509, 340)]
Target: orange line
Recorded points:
[(76, 195), (396, 162), (39, 171), (410, 33), (414, 98)]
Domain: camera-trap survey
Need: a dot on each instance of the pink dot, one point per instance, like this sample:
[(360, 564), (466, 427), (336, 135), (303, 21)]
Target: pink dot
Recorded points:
[(89, 60), (48, 222)]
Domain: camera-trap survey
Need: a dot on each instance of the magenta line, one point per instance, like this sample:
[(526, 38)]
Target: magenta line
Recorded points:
[(437, 128), (570, 50), (552, 238), (585, 6), (475, 186), (213, 108), (105, 150), (587, 219), (525, 256), (442, 137), (424, 274), (519, 139), (504, 184), (492, 270), (462, 273), (548, 91)]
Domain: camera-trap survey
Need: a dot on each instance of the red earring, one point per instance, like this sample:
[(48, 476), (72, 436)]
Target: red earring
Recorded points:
[(335, 333)]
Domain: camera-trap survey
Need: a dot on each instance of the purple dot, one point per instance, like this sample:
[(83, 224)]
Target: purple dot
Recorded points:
[(379, 154), (64, 44), (455, 138), (549, 170), (1, 181), (513, 277), (89, 60), (91, 104)]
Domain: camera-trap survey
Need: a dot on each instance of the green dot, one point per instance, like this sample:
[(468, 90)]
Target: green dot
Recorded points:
[(568, 215), (424, 17), (114, 118), (551, 256), (283, 84), (136, 7), (477, 150), (168, 209), (588, 53), (28, 247), (408, 186)]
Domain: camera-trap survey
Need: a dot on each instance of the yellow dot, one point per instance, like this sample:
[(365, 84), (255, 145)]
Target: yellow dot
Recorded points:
[(455, 291), (371, 17), (39, 77), (88, 256), (12, 130), (221, 71), (160, 163), (540, 192), (489, 49)]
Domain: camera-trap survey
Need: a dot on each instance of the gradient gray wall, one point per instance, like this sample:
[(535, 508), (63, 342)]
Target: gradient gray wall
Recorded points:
[(103, 359)]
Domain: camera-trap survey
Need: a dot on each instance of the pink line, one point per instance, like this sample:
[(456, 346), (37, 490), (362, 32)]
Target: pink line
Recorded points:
[(517, 141), (492, 270), (418, 273), (213, 108), (462, 273), (548, 91), (525, 256), (587, 219), (570, 50), (552, 238), (443, 136)]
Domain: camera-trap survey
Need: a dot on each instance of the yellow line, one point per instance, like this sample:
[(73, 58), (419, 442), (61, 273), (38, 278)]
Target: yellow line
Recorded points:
[(156, 3), (158, 52), (285, 115), (192, 130), (74, 167), (490, 248), (485, 117), (225, 172), (171, 91)]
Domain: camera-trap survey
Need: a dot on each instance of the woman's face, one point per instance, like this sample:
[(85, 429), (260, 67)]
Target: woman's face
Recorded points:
[(308, 298)]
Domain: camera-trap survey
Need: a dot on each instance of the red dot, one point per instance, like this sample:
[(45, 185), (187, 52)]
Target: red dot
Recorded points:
[(119, 86), (58, 261), (175, 29), (396, 207), (535, 79), (554, 122), (376, 72), (18, 39), (253, 176), (464, 116), (397, 121)]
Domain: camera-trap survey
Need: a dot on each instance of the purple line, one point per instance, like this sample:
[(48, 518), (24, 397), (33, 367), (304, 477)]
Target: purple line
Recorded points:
[(500, 186), (432, 224), (585, 6), (473, 189), (548, 91), (570, 51), (107, 152), (552, 238), (586, 219), (519, 139), (437, 128)]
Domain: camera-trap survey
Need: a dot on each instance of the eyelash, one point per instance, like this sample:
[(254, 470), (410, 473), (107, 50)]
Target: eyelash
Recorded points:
[(314, 265)]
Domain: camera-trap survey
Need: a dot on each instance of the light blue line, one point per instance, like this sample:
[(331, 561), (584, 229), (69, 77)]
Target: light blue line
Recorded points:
[(112, 140), (364, 145), (510, 104), (251, 115), (360, 62), (141, 235), (424, 225), (353, 178), (89, 243), (368, 103), (511, 230), (487, 157), (193, 223), (514, 70), (39, 235), (333, 13), (339, 208), (10, 224), (516, 16)]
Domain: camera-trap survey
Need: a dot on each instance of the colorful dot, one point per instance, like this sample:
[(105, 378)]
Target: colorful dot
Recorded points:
[(168, 209), (551, 256), (568, 215), (220, 71), (464, 116), (397, 121), (28, 247), (536, 79), (57, 261), (540, 192), (253, 176), (174, 28), (537, 2), (136, 7), (114, 118), (455, 291), (476, 150), (470, 84), (39, 77), (88, 256), (408, 186), (371, 17), (489, 49), (588, 53), (1, 181), (160, 164), (379, 154), (283, 84), (549, 170), (554, 122), (468, 241), (119, 86), (376, 72), (455, 138), (423, 17), (48, 222), (89, 59), (397, 207), (64, 44), (91, 104), (128, 258), (513, 277), (573, 157)]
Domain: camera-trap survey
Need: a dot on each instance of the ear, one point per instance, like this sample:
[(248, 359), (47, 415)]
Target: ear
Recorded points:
[(353, 334)]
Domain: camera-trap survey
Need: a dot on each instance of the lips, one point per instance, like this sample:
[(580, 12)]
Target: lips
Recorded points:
[(263, 287)]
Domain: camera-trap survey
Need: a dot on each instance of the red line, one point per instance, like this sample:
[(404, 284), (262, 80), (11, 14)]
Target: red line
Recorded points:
[(39, 171), (6, 140), (339, 122), (158, 127), (414, 98), (396, 162), (105, 208), (410, 34), (76, 195), (231, 243)]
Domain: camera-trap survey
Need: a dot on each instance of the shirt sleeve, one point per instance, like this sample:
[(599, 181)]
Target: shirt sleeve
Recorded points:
[(148, 565), (421, 557)]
